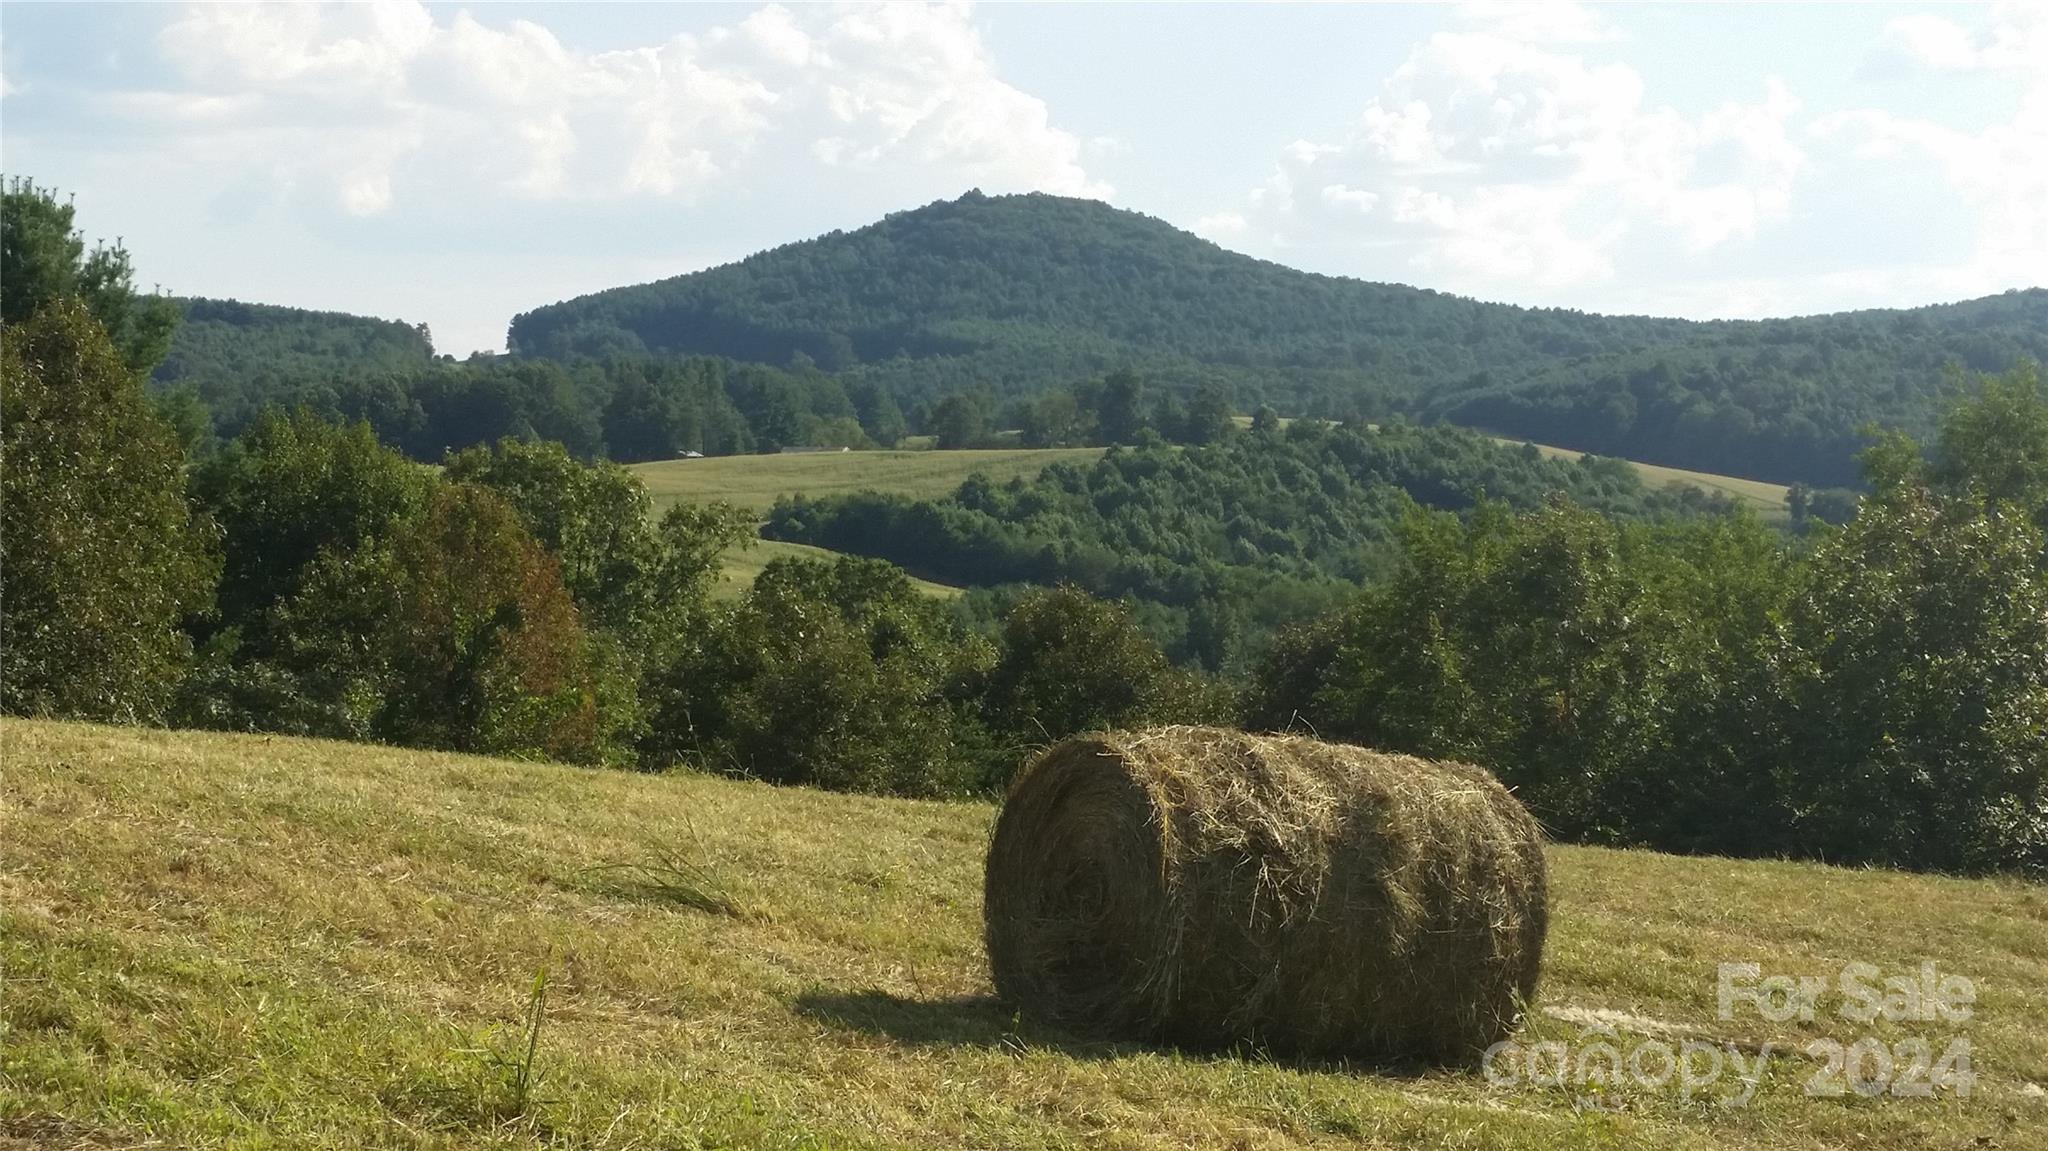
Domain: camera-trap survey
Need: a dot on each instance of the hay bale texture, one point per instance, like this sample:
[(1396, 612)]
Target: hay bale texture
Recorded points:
[(1211, 888)]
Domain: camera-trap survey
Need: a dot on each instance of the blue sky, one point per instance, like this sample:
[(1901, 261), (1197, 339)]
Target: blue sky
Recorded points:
[(456, 164)]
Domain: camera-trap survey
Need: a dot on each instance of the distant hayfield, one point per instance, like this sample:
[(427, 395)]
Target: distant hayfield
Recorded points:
[(741, 565), (755, 481), (1767, 500)]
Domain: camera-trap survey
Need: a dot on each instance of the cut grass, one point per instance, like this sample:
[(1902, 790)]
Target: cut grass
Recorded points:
[(754, 482), (1767, 500), (239, 941), (739, 566)]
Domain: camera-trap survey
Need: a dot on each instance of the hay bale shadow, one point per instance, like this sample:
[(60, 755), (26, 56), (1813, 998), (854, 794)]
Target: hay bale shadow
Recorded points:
[(959, 1021), (987, 1022)]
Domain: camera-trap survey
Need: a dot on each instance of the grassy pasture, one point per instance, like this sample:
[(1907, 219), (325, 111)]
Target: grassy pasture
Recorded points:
[(1767, 500), (741, 565), (240, 941), (755, 482)]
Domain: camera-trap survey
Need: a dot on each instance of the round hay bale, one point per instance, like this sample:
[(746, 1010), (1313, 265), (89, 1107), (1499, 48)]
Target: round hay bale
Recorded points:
[(1211, 888)]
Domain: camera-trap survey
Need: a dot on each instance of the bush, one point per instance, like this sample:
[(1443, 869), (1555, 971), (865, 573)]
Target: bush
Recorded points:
[(840, 675), (1071, 663), (488, 652), (101, 559)]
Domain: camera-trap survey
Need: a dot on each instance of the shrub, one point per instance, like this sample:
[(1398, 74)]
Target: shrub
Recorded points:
[(488, 652), (100, 556), (840, 675), (1070, 663)]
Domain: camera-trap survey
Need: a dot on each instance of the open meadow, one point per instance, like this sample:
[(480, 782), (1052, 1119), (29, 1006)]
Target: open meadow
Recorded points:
[(1767, 500), (740, 565), (247, 941), (755, 482)]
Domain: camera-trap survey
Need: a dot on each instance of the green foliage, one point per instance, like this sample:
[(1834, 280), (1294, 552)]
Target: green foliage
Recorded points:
[(1915, 687), (961, 420), (1702, 686), (366, 599), (1072, 663), (1508, 641), (837, 675), (295, 486), (595, 519), (1222, 543), (238, 358), (1995, 444), (1023, 294), (43, 260), (488, 652), (308, 513), (101, 559), (1592, 666)]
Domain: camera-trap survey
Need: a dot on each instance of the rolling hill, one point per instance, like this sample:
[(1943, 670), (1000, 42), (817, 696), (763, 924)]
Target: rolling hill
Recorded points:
[(238, 356), (250, 941), (1021, 293), (755, 482)]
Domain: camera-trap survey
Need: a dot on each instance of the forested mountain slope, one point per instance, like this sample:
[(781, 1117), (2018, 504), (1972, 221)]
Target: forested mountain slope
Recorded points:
[(239, 356), (1019, 293), (1223, 543)]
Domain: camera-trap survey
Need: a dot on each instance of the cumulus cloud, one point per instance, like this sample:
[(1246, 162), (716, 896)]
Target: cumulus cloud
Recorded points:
[(1498, 154), (2012, 39), (2001, 169), (405, 105)]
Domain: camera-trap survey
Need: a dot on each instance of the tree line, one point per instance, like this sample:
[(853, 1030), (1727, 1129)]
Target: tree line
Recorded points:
[(1022, 295), (1221, 542), (1873, 693)]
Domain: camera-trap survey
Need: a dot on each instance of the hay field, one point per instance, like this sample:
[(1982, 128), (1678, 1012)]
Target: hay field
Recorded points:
[(240, 942), (1767, 500), (755, 481), (739, 566)]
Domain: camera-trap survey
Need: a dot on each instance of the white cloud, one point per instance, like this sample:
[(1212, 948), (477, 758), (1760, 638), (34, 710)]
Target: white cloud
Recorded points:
[(408, 106), (1497, 156), (1221, 225), (1932, 41), (1539, 21), (2000, 169), (1344, 195), (2016, 37)]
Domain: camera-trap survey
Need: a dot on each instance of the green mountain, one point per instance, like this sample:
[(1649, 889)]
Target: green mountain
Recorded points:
[(1022, 293), (239, 356)]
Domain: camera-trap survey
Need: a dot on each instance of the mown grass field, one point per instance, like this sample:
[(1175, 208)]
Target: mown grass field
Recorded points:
[(1767, 500), (739, 566), (239, 941), (754, 482)]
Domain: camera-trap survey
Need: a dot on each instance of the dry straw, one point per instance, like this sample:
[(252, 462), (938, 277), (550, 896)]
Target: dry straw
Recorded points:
[(1212, 888)]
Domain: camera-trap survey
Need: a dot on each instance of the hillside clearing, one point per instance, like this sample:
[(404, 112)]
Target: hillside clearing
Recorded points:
[(240, 941), (755, 482), (741, 565), (1767, 500)]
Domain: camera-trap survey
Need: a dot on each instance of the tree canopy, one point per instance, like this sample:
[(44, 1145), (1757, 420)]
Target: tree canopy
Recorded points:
[(1020, 294)]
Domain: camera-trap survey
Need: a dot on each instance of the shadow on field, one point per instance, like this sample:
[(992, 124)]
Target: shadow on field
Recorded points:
[(965, 1021), (983, 1021)]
